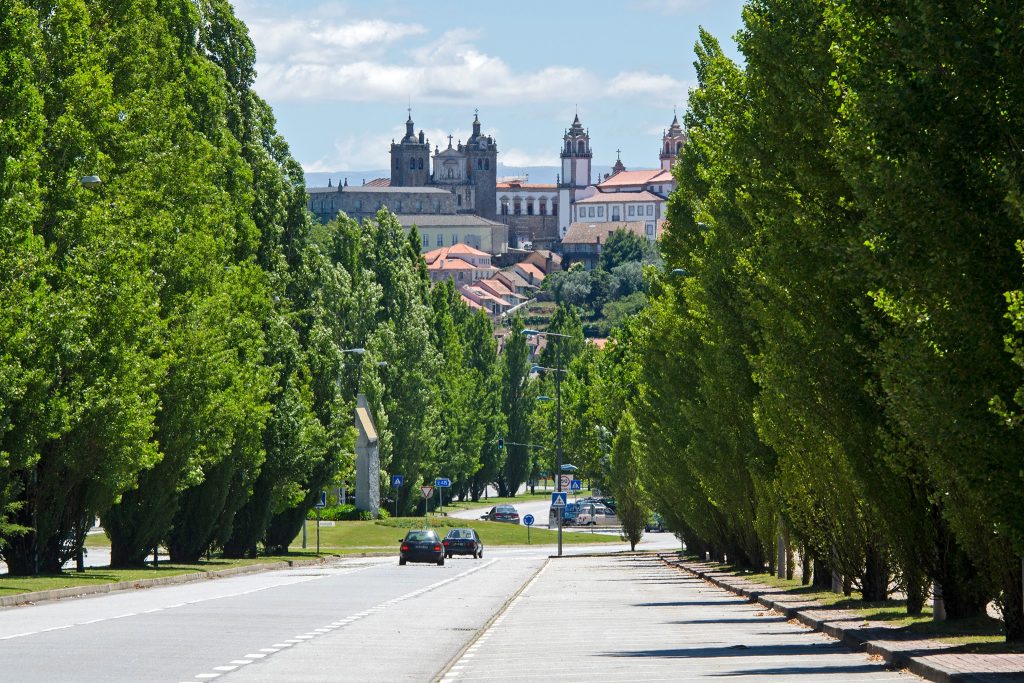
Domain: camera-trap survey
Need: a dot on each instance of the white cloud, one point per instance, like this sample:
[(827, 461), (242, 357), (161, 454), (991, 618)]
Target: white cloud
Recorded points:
[(318, 41), (660, 86), (517, 158)]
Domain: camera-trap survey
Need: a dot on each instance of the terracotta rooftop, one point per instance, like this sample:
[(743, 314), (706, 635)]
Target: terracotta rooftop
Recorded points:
[(592, 233), (454, 251), (450, 264), (621, 197), (531, 270), (379, 182), (641, 177), (460, 249)]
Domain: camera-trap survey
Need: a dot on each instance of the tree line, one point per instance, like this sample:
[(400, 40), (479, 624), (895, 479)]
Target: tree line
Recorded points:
[(836, 357), (175, 344)]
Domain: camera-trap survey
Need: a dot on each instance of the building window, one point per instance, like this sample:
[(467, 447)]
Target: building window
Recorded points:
[(529, 208), (412, 164), (590, 212), (419, 206), (426, 241), (455, 239), (650, 229), (440, 240), (517, 208), (479, 163), (419, 164), (650, 209), (632, 210), (543, 207), (396, 164), (615, 214), (458, 198), (554, 208), (487, 164), (359, 204), (398, 207), (600, 212), (581, 147), (504, 207)]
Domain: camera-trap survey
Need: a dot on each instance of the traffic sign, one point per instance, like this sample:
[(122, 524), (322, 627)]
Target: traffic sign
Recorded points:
[(558, 499), (565, 480), (528, 520), (397, 480), (442, 482), (576, 485), (322, 503), (427, 491)]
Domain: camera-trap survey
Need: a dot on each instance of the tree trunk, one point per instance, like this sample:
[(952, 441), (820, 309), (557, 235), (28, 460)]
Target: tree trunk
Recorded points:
[(875, 582), (805, 567), (822, 575)]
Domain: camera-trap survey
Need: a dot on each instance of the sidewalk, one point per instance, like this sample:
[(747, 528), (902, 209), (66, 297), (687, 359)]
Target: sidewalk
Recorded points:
[(930, 659), (629, 617)]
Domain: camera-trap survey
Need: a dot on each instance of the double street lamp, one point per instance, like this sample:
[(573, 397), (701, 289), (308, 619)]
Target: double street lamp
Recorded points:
[(558, 416)]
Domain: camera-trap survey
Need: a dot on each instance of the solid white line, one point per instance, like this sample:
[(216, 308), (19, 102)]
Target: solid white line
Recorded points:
[(19, 635)]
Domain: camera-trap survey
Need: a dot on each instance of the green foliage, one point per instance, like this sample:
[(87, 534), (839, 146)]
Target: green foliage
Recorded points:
[(631, 507), (623, 246)]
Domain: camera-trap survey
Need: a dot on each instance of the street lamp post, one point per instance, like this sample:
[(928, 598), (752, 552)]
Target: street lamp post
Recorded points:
[(558, 437), (558, 417)]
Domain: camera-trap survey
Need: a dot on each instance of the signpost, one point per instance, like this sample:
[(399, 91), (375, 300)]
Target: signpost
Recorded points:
[(397, 480), (528, 521), (441, 483), (320, 505), (426, 491)]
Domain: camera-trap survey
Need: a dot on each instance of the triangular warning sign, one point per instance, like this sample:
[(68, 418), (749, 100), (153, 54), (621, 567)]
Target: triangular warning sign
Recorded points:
[(427, 491)]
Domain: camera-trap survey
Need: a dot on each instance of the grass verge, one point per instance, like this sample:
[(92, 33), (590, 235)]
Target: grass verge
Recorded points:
[(977, 634)]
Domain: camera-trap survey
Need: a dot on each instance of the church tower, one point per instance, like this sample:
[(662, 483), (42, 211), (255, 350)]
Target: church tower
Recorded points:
[(576, 160), (672, 143), (410, 159), (482, 159)]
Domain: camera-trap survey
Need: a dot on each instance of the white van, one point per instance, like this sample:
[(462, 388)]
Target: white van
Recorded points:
[(596, 514)]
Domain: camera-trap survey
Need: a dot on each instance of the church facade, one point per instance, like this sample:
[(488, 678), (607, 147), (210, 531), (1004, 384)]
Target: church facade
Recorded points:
[(454, 193)]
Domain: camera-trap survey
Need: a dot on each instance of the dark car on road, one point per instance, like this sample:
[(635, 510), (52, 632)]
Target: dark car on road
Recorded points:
[(463, 542), (421, 545), (502, 513)]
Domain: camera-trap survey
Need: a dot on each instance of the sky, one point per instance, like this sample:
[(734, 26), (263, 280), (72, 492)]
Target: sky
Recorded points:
[(341, 75)]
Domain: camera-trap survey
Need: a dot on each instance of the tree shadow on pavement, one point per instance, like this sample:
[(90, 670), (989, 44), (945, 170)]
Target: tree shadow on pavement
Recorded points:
[(731, 620), (691, 603), (834, 670), (707, 652)]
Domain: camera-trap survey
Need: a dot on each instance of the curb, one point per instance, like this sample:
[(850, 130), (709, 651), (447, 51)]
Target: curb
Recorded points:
[(83, 591), (847, 636)]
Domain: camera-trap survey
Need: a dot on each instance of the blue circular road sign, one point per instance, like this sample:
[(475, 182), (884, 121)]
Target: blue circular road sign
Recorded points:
[(528, 520)]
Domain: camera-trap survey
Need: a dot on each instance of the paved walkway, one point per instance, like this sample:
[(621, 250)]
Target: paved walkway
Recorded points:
[(633, 618), (931, 659)]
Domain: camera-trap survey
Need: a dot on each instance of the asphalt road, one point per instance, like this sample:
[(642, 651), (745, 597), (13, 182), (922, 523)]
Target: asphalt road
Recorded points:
[(514, 615)]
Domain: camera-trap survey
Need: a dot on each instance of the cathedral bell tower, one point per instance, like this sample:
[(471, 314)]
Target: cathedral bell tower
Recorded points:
[(482, 159), (410, 159), (576, 161), (672, 143)]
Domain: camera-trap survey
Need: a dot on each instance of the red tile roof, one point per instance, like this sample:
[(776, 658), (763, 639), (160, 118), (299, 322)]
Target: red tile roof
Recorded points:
[(379, 182), (641, 177), (531, 270), (450, 264), (621, 197), (458, 249)]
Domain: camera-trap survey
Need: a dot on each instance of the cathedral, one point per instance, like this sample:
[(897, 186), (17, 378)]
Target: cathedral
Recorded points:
[(453, 195)]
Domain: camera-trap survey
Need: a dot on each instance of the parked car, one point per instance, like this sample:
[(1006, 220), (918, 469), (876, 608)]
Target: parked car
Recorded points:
[(502, 513), (421, 545), (463, 542), (655, 523), (595, 514), (569, 513)]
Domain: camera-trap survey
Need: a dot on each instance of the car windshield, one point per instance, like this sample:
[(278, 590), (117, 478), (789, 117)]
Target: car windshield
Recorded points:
[(421, 536), (460, 533), (505, 508)]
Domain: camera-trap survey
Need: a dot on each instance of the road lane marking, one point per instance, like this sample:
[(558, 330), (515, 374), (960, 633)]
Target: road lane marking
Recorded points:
[(468, 651), (355, 617)]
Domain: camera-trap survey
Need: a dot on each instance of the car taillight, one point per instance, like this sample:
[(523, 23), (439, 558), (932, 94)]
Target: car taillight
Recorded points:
[(437, 547), (446, 543), (405, 547)]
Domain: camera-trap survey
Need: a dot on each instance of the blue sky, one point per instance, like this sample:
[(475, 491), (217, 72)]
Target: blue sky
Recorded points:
[(340, 75)]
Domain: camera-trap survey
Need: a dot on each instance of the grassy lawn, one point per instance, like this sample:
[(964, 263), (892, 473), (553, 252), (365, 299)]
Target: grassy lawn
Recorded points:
[(972, 635), (13, 585), (385, 534)]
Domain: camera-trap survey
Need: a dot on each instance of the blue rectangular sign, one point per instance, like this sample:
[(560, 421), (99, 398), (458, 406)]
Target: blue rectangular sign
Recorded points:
[(558, 499), (442, 482), (576, 485), (397, 480), (322, 503)]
